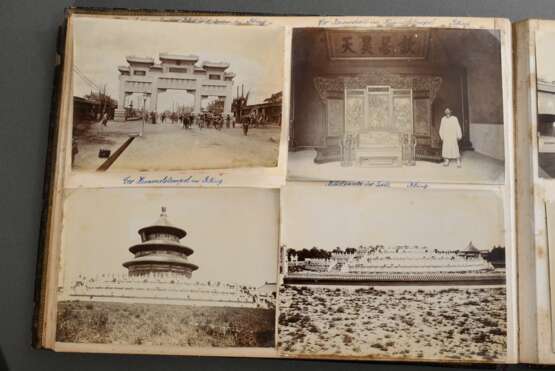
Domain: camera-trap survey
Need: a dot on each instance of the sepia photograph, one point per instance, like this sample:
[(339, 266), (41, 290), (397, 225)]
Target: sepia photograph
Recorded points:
[(182, 268), (545, 80), (397, 104), (172, 96), (391, 274)]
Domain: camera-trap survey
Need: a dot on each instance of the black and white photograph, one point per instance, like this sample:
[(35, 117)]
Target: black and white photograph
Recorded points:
[(545, 80), (172, 96), (186, 268), (420, 104), (392, 274)]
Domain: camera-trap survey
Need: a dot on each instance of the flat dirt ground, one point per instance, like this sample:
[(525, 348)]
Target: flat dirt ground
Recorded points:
[(427, 324), (160, 324), (170, 147)]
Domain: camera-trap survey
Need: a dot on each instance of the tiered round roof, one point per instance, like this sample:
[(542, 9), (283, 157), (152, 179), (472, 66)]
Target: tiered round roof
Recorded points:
[(160, 249)]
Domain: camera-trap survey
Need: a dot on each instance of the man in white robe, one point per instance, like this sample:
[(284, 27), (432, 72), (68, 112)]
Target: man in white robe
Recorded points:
[(450, 134)]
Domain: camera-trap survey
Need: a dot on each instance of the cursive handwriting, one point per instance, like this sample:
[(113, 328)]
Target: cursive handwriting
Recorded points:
[(359, 183), (250, 21), (375, 184), (170, 180), (394, 22)]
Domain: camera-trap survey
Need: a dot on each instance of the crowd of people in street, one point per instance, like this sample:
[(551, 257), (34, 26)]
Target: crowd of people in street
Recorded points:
[(204, 120)]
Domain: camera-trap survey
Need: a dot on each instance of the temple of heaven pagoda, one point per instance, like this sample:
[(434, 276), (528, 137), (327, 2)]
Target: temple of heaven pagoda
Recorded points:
[(160, 251)]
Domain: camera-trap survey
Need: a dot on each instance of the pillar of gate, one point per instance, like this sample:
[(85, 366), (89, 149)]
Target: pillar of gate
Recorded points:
[(153, 100), (227, 104), (119, 113), (196, 104)]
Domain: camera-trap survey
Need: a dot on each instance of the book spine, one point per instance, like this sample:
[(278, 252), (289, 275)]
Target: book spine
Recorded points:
[(50, 166)]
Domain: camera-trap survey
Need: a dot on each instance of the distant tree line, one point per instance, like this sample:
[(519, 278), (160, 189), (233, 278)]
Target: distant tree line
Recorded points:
[(314, 253), (496, 256)]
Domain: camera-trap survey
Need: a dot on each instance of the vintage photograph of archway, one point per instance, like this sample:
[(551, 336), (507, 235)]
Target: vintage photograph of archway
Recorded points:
[(397, 104), (175, 96)]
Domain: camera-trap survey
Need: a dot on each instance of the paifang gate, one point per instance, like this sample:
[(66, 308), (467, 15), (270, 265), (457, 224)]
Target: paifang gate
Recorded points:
[(179, 72)]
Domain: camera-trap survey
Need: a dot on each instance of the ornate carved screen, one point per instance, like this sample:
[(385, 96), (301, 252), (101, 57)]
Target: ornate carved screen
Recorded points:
[(422, 105), (354, 110), (335, 117), (422, 116), (401, 102), (410, 100), (378, 108)]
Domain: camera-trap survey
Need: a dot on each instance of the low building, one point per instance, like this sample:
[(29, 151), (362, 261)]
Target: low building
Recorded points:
[(269, 110)]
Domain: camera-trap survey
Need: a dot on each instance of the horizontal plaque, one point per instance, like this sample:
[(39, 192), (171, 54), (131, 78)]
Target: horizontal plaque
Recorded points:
[(378, 44)]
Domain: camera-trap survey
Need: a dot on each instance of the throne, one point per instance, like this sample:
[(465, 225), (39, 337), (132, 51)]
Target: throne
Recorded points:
[(378, 148)]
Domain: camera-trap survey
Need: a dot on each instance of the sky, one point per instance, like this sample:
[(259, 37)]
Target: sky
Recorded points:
[(545, 55), (231, 242), (255, 53), (328, 217)]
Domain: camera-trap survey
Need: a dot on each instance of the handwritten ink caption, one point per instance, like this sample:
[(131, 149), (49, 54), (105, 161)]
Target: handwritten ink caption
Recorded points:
[(375, 184), (170, 180)]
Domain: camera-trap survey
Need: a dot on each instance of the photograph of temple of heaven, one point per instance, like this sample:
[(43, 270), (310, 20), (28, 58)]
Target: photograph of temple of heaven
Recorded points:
[(160, 296), (160, 251)]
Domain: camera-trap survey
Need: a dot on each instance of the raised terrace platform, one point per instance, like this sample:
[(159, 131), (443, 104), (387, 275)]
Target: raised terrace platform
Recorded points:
[(494, 278), (168, 290), (396, 265)]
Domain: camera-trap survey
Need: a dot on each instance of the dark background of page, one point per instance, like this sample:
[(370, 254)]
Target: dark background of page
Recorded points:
[(28, 31)]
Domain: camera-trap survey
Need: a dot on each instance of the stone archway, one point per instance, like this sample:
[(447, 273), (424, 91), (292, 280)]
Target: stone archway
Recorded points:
[(175, 72)]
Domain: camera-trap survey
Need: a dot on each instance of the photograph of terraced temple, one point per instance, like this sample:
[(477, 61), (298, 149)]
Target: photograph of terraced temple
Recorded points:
[(402, 274), (140, 280), (396, 264)]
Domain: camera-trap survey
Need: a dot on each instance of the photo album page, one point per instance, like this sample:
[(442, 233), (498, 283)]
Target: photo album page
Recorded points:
[(301, 187), (535, 196)]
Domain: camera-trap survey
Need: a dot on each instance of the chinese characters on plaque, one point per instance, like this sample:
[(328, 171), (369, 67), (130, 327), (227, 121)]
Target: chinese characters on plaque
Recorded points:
[(378, 44)]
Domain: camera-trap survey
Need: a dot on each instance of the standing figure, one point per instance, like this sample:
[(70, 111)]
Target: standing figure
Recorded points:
[(163, 117), (194, 120), (246, 123), (105, 119), (220, 121), (450, 134), (228, 121)]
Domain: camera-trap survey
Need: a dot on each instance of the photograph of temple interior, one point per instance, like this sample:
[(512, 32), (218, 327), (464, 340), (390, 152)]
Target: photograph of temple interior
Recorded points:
[(545, 57), (401, 104)]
